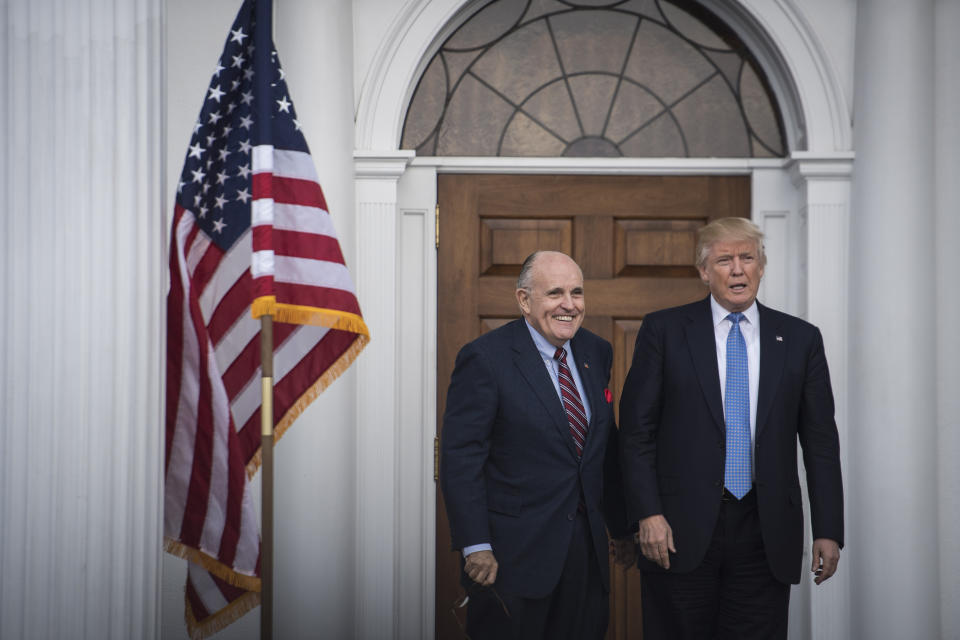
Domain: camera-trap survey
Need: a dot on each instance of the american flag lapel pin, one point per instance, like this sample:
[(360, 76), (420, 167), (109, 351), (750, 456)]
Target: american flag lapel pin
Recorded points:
[(779, 338)]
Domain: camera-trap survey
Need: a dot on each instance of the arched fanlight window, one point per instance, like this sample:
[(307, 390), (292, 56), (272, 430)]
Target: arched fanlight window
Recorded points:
[(600, 78)]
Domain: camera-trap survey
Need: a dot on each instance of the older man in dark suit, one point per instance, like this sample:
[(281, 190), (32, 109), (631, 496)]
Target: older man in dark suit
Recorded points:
[(717, 397), (529, 464)]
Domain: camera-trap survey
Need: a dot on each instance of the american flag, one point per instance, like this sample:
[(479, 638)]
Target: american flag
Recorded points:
[(251, 236)]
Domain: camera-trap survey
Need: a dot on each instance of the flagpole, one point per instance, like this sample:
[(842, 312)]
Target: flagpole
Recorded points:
[(266, 477)]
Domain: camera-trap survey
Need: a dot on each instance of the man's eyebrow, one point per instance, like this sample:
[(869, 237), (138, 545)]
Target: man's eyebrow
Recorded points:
[(554, 290)]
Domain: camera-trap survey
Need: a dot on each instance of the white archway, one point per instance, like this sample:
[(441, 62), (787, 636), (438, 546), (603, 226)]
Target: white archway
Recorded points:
[(802, 202)]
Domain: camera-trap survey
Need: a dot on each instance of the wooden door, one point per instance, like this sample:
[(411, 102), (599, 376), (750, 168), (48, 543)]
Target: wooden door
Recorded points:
[(634, 238)]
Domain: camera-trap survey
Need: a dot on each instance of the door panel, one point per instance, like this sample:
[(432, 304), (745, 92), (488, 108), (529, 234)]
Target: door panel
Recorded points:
[(634, 238)]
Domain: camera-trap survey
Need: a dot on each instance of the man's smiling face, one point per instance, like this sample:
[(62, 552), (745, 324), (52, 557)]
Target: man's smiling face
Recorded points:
[(733, 271), (554, 305)]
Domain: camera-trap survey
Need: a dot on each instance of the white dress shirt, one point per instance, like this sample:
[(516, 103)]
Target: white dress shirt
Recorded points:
[(750, 328)]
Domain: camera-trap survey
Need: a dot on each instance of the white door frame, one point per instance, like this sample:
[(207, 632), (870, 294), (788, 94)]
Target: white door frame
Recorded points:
[(802, 203)]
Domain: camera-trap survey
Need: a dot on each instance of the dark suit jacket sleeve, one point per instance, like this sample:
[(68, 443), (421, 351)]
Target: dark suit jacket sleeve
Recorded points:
[(640, 409), (472, 404), (614, 503), (817, 432)]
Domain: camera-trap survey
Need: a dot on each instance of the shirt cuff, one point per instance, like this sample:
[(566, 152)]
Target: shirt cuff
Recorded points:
[(476, 547)]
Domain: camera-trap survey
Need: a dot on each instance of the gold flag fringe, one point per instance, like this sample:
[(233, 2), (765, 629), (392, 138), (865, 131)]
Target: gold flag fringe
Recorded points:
[(332, 373), (220, 620), (214, 566), (317, 316)]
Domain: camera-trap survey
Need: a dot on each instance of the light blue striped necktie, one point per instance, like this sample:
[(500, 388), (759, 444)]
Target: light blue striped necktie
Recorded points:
[(736, 412)]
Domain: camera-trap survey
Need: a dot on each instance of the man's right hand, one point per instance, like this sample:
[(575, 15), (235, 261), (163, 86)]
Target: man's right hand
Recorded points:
[(656, 538), (481, 566)]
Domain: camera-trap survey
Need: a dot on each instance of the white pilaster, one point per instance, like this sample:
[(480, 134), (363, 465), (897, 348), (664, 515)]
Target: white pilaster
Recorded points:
[(83, 281), (378, 399), (893, 558), (823, 181), (946, 124)]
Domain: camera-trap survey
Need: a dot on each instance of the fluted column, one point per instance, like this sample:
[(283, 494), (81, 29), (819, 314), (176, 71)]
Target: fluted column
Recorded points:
[(946, 124), (82, 286), (823, 181), (893, 542), (378, 402)]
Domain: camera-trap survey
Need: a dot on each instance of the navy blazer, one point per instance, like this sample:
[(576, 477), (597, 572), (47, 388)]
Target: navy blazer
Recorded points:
[(509, 471), (673, 436)]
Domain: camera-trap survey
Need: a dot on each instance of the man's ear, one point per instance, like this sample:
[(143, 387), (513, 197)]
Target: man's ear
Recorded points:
[(523, 299), (704, 276)]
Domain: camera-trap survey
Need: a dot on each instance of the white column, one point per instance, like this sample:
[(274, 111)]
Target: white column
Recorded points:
[(378, 444), (893, 541), (946, 124), (823, 181), (83, 283)]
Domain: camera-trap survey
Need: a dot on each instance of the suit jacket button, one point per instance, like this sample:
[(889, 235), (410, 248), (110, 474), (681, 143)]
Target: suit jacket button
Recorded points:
[(571, 516), (717, 483)]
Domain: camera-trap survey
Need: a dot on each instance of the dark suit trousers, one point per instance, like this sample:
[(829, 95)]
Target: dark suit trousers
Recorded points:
[(577, 609), (732, 594)]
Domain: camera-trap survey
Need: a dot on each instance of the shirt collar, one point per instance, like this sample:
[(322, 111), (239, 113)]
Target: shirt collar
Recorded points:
[(546, 349), (752, 314)]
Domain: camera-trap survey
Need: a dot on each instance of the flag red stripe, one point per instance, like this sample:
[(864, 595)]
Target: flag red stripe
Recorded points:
[(234, 304), (295, 244), (320, 297), (206, 268), (195, 510), (174, 338), (306, 193)]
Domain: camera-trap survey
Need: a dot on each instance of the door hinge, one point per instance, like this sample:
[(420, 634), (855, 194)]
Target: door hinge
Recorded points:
[(436, 227), (436, 458)]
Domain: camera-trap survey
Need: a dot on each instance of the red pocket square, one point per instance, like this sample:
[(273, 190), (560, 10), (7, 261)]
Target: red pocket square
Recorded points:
[(608, 396)]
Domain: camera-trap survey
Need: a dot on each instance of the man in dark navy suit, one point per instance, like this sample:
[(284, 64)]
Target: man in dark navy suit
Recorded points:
[(529, 466), (718, 395)]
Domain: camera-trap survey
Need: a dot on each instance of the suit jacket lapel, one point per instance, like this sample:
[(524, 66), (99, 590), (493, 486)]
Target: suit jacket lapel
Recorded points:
[(772, 360), (703, 349), (527, 359)]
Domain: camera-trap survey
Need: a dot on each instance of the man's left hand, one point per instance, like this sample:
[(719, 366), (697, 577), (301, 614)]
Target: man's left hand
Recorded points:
[(826, 555)]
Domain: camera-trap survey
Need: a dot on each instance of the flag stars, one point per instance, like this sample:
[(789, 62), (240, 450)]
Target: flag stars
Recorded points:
[(220, 202), (224, 153), (237, 62), (215, 117), (234, 85), (226, 130), (203, 211), (211, 139), (219, 68), (283, 104), (283, 74), (243, 195), (231, 107), (245, 146), (245, 122), (216, 93), (296, 124), (196, 200), (198, 175), (243, 171), (218, 225), (237, 36), (246, 97), (221, 177), (247, 73), (195, 151)]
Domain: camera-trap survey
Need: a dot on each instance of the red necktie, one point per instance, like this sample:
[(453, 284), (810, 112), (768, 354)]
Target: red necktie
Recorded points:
[(576, 416)]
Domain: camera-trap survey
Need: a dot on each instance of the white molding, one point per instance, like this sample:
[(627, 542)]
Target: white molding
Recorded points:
[(599, 166)]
